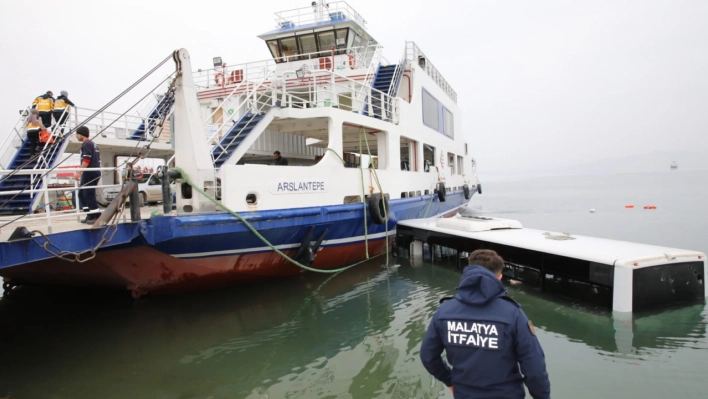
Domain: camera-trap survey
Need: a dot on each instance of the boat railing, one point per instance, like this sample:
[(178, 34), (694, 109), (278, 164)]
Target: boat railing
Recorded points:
[(370, 73), (398, 74), (13, 140), (414, 54), (112, 125), (54, 195), (335, 11), (226, 76)]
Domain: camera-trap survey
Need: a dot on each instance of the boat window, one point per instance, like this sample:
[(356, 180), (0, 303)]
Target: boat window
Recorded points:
[(308, 44), (449, 126), (326, 42), (274, 49), (288, 48), (428, 157), (430, 111), (460, 165), (451, 162), (357, 41), (342, 41), (409, 154)]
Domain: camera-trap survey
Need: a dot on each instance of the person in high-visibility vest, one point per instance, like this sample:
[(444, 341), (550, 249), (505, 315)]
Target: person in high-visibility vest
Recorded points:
[(45, 105), (62, 106), (34, 126)]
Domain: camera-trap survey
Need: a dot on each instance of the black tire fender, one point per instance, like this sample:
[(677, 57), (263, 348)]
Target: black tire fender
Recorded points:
[(479, 188), (466, 191), (441, 192), (378, 208)]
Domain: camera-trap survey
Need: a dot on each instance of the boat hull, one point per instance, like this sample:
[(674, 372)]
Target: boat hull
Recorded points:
[(196, 252)]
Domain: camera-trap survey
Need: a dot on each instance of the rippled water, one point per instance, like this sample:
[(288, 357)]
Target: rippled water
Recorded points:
[(357, 334)]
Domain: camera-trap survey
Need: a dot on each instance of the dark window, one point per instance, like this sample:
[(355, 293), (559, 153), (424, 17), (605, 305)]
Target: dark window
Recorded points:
[(341, 43), (274, 49), (308, 44), (288, 48), (326, 42)]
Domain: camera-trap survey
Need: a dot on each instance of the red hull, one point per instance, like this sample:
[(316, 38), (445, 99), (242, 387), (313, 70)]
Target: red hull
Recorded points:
[(146, 270)]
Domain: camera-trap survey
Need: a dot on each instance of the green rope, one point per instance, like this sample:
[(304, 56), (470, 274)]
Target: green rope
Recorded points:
[(429, 203), (378, 183), (185, 179)]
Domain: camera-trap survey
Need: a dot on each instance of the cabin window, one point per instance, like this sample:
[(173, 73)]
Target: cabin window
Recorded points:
[(341, 43), (274, 49), (326, 41), (409, 154), (431, 111), (448, 123), (308, 44), (460, 165), (354, 154), (428, 157), (288, 48), (451, 162), (357, 42)]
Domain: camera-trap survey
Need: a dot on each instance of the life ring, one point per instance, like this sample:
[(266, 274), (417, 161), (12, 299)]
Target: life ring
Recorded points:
[(219, 78), (378, 208), (466, 191), (479, 188), (441, 192), (352, 61)]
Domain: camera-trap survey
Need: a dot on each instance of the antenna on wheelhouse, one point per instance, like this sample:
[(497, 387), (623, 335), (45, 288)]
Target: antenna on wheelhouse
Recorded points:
[(319, 9)]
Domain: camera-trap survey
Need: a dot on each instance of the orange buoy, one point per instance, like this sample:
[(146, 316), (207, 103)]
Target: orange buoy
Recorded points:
[(629, 206)]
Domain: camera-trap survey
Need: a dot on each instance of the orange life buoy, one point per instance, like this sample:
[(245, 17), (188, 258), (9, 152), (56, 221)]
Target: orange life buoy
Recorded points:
[(219, 78)]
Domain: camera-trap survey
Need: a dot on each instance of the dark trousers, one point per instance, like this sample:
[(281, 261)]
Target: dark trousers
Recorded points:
[(46, 118), (60, 117), (33, 137), (88, 195)]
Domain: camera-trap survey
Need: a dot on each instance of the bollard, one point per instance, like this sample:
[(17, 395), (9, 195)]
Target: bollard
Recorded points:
[(135, 205), (166, 195)]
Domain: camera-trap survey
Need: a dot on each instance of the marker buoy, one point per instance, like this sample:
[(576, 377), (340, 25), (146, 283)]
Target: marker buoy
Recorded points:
[(629, 206)]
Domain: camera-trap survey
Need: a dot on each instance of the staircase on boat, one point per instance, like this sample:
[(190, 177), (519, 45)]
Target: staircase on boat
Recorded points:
[(234, 137), (386, 80), (25, 203), (161, 110)]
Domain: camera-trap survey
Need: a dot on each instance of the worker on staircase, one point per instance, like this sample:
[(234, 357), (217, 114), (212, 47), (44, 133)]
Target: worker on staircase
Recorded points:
[(34, 127), (45, 105), (62, 106)]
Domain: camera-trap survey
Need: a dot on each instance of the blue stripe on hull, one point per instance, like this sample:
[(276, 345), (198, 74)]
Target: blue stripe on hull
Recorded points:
[(220, 234)]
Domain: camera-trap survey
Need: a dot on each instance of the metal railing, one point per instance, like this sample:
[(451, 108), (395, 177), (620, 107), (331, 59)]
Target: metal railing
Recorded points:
[(51, 197), (13, 140), (398, 75), (318, 12), (226, 76), (413, 53), (123, 126)]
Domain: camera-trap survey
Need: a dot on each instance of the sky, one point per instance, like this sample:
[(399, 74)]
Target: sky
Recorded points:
[(541, 84)]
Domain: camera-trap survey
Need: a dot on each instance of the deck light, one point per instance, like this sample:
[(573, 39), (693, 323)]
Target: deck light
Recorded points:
[(217, 62), (421, 61)]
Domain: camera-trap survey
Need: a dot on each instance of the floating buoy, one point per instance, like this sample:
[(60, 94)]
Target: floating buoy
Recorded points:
[(592, 210), (629, 206), (650, 207)]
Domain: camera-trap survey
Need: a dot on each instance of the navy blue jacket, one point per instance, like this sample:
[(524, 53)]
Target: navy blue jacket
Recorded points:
[(486, 337)]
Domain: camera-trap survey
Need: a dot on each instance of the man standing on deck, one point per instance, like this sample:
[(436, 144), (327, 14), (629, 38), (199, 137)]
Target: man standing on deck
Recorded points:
[(486, 337), (278, 159), (90, 158)]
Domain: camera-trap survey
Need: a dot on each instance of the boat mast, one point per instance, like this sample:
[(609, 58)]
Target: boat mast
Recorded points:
[(192, 152)]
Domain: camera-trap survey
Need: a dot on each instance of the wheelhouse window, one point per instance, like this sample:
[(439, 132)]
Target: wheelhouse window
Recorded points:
[(431, 111), (274, 49), (428, 157), (326, 41), (341, 43), (288, 48), (308, 44)]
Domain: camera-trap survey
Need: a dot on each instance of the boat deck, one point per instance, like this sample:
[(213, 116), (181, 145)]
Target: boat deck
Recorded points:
[(60, 225)]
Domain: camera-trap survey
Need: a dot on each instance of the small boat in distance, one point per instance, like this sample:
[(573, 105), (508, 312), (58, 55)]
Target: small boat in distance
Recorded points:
[(674, 166)]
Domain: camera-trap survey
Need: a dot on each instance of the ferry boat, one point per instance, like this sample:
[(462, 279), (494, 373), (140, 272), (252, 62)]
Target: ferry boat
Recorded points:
[(368, 142)]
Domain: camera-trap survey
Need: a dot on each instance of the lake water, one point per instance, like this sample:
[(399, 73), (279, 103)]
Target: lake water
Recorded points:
[(357, 334)]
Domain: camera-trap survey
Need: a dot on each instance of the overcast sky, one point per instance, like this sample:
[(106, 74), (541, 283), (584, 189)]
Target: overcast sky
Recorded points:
[(540, 83)]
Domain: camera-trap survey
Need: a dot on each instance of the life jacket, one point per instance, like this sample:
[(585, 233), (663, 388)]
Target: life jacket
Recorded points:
[(44, 103), (45, 136), (60, 104)]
